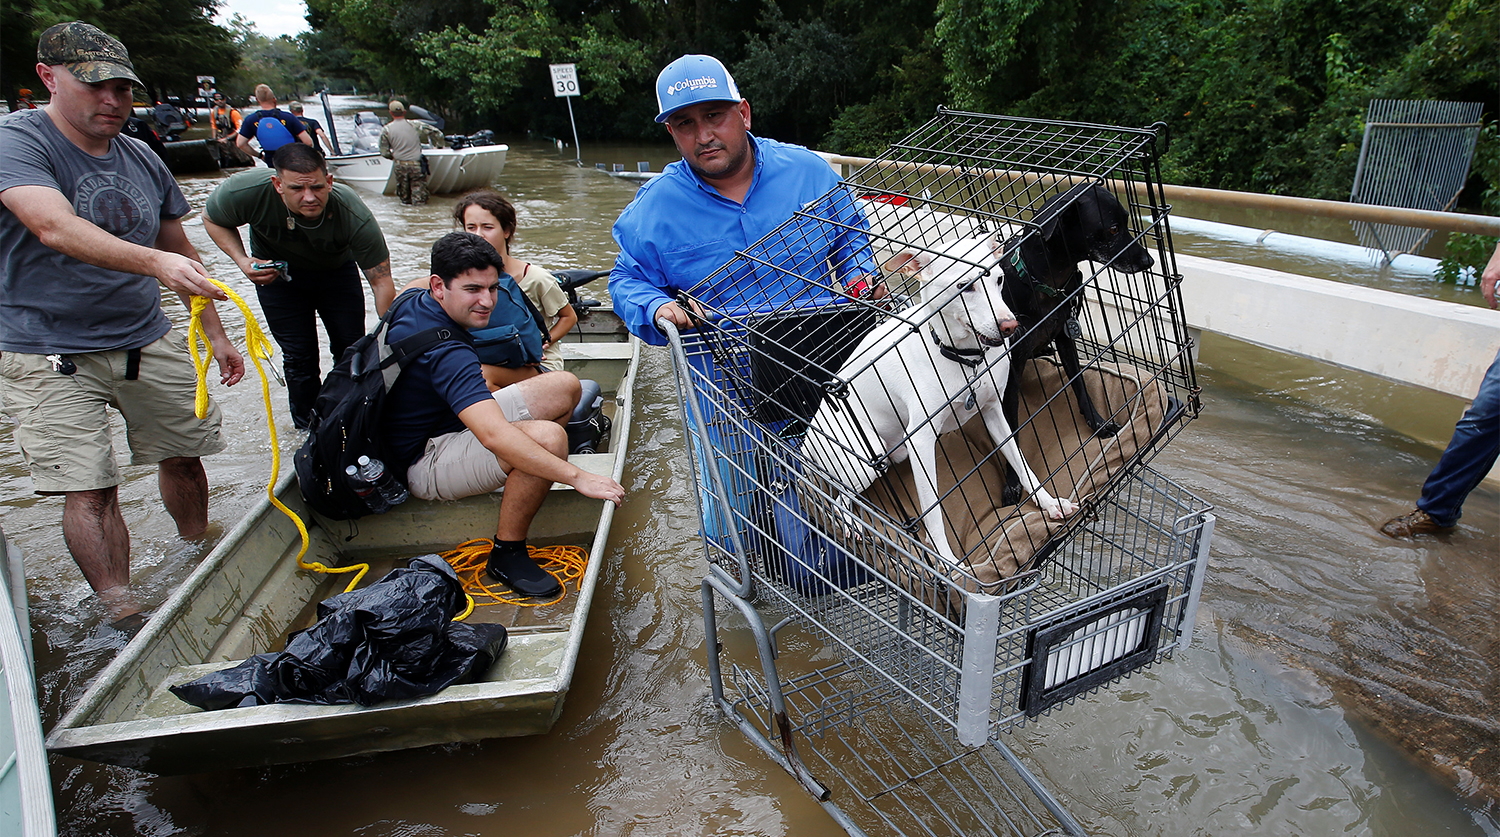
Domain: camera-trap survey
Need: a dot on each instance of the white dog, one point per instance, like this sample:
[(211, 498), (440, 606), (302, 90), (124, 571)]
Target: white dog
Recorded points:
[(924, 373)]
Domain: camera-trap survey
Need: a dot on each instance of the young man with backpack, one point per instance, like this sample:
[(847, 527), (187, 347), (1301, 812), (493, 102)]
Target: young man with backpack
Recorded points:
[(271, 125), (444, 431)]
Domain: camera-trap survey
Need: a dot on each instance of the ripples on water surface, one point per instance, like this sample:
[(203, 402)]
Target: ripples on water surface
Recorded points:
[(1337, 680)]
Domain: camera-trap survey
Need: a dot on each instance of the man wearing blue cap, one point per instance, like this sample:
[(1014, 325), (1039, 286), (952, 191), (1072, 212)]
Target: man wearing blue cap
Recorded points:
[(729, 189)]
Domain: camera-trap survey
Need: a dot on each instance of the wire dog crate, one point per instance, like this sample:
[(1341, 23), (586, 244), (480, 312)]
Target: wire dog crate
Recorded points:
[(921, 414)]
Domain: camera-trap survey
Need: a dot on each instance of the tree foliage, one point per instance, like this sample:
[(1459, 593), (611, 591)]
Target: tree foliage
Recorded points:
[(21, 23), (171, 42), (279, 62), (1258, 95)]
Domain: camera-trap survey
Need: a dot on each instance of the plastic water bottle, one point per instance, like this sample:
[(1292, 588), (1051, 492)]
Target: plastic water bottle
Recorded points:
[(373, 470), (366, 491)]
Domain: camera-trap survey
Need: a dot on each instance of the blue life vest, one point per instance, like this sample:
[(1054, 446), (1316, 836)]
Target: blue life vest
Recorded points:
[(515, 335)]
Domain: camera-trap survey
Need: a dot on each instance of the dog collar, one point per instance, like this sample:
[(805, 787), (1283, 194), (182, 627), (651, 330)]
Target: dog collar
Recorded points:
[(968, 357), (1015, 266)]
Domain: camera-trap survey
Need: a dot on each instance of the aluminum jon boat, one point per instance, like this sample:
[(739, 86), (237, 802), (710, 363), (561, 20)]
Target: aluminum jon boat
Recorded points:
[(248, 594), (25, 784), (452, 172)]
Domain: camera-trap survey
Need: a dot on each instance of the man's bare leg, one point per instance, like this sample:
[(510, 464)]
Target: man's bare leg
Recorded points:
[(184, 491), (524, 495), (552, 397), (95, 533)]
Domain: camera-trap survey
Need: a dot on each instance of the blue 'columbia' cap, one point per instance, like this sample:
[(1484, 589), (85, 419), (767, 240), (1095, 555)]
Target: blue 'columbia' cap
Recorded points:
[(692, 79)]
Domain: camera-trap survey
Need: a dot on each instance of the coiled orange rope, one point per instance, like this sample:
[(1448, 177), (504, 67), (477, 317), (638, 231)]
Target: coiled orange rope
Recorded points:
[(566, 563)]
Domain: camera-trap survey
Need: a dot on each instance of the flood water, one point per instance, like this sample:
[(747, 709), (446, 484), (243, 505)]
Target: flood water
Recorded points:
[(1338, 682)]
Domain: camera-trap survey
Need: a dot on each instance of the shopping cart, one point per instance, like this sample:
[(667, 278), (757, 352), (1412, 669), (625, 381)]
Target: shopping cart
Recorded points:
[(955, 610)]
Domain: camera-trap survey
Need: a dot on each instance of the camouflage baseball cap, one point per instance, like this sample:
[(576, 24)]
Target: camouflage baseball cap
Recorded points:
[(88, 53)]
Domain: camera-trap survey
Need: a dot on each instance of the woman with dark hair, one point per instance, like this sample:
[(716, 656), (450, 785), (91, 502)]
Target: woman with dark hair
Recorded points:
[(490, 216)]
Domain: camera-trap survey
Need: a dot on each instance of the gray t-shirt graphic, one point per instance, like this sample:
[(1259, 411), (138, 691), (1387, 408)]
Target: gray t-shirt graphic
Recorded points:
[(53, 303)]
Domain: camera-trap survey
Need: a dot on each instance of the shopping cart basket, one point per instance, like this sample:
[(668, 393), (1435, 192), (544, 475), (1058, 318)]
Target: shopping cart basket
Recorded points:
[(971, 607)]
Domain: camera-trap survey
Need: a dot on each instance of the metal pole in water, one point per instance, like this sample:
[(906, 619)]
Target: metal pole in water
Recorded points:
[(565, 85), (577, 152)]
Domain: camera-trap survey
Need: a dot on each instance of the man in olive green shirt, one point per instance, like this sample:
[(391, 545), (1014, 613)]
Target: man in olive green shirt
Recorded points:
[(321, 230)]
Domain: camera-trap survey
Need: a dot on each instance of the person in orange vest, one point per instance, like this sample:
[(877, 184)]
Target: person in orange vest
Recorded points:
[(224, 120)]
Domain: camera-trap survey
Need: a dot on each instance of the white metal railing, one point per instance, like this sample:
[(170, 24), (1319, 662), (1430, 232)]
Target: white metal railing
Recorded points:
[(1426, 219)]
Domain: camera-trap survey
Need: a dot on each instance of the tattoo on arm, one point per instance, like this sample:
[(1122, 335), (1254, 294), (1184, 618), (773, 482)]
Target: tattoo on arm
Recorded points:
[(379, 273)]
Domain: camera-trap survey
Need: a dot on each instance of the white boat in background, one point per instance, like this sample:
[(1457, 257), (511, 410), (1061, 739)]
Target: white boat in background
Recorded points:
[(367, 172), (468, 168), (26, 808), (451, 172), (472, 166)]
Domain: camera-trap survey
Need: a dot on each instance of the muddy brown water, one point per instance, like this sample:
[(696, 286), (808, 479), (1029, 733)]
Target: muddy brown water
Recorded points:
[(1338, 682)]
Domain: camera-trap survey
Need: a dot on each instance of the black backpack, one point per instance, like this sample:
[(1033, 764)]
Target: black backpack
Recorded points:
[(345, 421)]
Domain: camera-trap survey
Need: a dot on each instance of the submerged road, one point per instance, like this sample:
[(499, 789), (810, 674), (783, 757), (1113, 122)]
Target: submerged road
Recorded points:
[(1338, 683)]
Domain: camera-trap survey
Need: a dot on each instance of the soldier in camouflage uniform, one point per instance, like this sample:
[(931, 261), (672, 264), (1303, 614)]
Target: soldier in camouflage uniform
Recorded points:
[(401, 141)]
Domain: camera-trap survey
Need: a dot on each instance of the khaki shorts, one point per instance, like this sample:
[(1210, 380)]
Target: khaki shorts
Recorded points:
[(456, 465), (62, 426)]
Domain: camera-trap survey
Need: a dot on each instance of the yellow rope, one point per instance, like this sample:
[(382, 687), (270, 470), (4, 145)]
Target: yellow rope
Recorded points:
[(567, 564), (259, 347)]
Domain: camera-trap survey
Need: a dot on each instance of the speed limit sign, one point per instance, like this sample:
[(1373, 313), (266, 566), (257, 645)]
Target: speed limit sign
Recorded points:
[(564, 79)]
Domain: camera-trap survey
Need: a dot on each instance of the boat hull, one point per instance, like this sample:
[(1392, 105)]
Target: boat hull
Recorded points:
[(248, 593), (366, 172), (191, 156), (450, 171), (26, 807)]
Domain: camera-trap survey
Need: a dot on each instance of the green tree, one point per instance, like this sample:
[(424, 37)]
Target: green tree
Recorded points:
[(488, 65), (798, 75), (279, 62), (21, 23), (1259, 95), (171, 42), (900, 75)]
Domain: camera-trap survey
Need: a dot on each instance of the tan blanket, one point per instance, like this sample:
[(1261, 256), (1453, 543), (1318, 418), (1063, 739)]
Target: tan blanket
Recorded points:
[(993, 541)]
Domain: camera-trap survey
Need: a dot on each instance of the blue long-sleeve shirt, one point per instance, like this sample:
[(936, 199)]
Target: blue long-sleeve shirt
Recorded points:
[(679, 231)]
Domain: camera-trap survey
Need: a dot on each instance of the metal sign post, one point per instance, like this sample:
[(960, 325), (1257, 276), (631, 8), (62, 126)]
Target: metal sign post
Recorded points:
[(565, 84)]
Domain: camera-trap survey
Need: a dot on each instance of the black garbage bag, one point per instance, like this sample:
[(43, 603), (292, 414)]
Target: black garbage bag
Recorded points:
[(394, 639)]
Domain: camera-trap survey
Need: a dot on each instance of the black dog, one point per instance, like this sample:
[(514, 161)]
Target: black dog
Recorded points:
[(1041, 283)]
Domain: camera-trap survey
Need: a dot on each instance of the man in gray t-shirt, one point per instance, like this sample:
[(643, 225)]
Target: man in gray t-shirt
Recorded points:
[(91, 222)]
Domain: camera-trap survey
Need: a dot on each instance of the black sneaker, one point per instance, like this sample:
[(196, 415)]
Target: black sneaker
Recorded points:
[(516, 570)]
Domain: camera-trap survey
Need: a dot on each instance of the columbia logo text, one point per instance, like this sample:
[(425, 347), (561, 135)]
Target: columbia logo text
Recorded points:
[(692, 84)]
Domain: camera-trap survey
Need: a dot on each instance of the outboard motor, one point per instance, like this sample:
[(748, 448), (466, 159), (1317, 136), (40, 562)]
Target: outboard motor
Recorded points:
[(588, 427), (425, 115), (366, 133), (482, 137), (170, 122), (571, 279), (456, 141)]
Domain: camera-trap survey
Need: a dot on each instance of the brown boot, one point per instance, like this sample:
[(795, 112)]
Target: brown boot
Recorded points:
[(1415, 522)]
